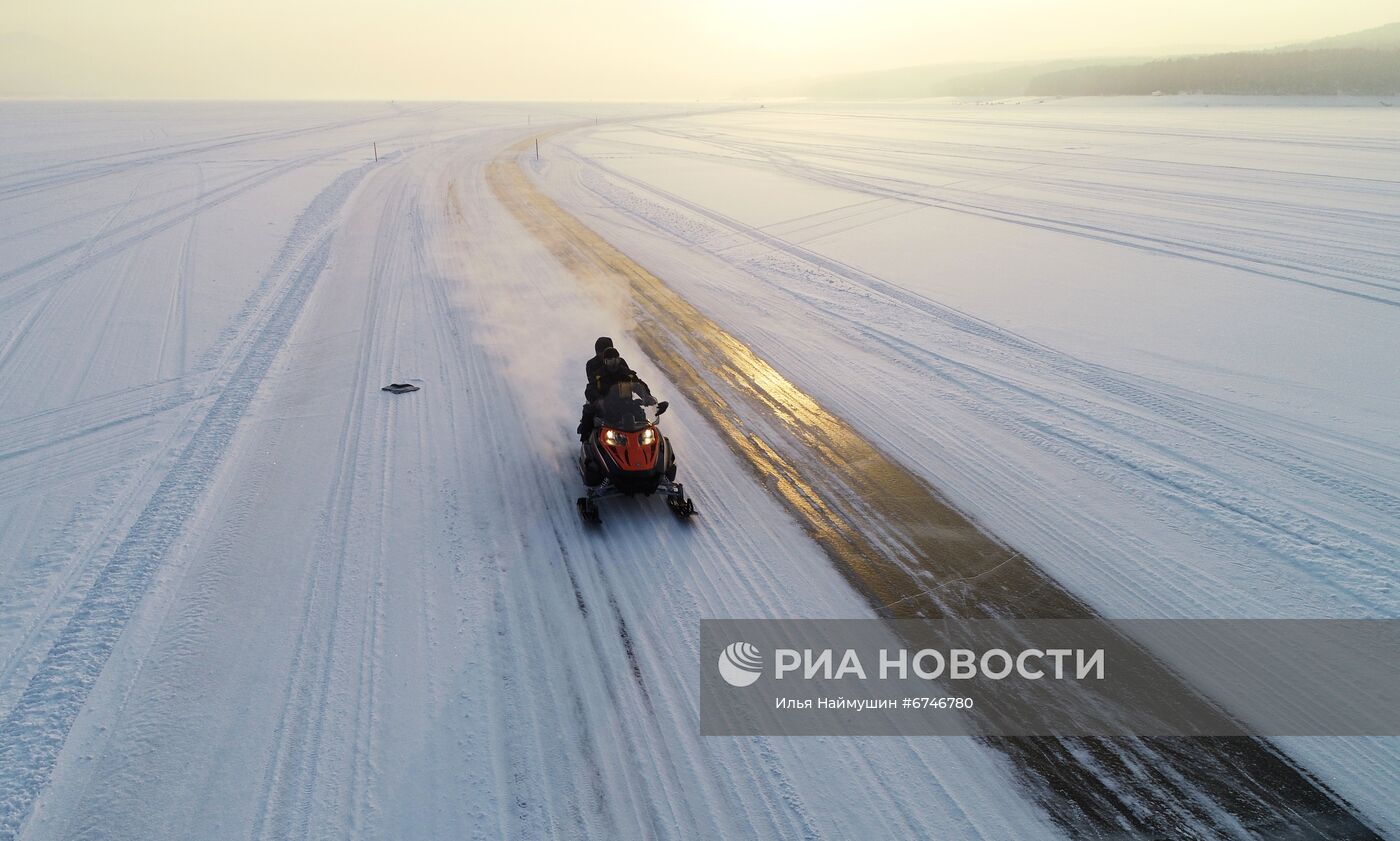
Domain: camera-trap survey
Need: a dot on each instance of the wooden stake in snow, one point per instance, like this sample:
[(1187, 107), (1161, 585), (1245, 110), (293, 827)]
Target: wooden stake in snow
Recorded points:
[(537, 148), (376, 153)]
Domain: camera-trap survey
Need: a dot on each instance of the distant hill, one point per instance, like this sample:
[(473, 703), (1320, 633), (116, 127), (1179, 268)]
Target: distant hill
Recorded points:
[(901, 82), (1013, 81), (1360, 63), (964, 79), (1380, 38), (1366, 62), (1354, 71)]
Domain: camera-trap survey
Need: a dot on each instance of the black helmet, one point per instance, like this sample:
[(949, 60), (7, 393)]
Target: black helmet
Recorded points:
[(611, 357), (601, 345)]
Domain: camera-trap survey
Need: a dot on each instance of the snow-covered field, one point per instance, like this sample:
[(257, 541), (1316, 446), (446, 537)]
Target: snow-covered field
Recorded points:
[(245, 594), (1153, 346)]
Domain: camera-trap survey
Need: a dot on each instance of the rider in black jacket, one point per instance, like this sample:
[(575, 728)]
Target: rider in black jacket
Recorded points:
[(605, 370), (595, 363)]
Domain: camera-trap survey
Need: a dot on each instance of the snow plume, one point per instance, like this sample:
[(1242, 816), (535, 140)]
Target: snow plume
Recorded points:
[(542, 326)]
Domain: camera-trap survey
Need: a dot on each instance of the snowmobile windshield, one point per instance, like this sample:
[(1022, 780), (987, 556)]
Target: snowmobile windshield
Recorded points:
[(623, 407)]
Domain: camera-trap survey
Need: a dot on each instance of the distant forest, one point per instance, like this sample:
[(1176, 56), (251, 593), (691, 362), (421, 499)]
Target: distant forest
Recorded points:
[(1325, 71), (1365, 63)]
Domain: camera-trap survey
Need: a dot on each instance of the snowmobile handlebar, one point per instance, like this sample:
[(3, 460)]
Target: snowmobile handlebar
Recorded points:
[(660, 410)]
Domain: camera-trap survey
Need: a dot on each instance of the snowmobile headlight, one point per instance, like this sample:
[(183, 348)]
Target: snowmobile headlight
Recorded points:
[(612, 438), (648, 437)]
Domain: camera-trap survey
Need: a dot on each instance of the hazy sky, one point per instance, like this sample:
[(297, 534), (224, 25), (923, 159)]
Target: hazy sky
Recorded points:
[(604, 49)]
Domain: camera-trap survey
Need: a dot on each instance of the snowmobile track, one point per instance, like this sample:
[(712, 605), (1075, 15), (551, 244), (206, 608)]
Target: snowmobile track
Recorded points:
[(34, 731)]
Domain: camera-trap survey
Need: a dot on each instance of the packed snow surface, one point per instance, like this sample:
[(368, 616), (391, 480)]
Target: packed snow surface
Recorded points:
[(1149, 342), (244, 593)]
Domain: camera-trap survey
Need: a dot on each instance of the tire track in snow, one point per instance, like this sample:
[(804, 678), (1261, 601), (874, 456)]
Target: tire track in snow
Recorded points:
[(43, 606), (1105, 128), (178, 313), (289, 782), (521, 631), (116, 240), (84, 170), (1052, 218), (84, 249), (34, 730), (882, 526)]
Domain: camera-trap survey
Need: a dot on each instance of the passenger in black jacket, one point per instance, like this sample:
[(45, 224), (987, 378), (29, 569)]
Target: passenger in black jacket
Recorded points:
[(595, 363), (608, 372), (591, 370)]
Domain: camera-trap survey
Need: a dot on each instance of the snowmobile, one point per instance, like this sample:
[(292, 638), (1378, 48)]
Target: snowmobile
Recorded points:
[(626, 454)]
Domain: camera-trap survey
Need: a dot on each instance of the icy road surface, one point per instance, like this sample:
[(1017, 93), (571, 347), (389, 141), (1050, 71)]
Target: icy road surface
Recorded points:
[(245, 594)]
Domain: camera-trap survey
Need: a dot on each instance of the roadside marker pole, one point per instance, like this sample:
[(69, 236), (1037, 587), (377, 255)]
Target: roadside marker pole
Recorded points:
[(376, 152)]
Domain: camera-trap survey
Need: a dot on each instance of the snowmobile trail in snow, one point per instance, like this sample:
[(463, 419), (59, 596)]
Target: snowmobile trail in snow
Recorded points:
[(911, 554)]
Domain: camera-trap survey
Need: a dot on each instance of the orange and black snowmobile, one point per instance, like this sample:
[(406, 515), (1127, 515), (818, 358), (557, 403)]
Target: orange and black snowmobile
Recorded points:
[(626, 454)]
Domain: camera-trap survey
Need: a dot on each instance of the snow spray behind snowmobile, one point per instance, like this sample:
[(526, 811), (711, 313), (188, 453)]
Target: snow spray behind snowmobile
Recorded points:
[(626, 454)]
